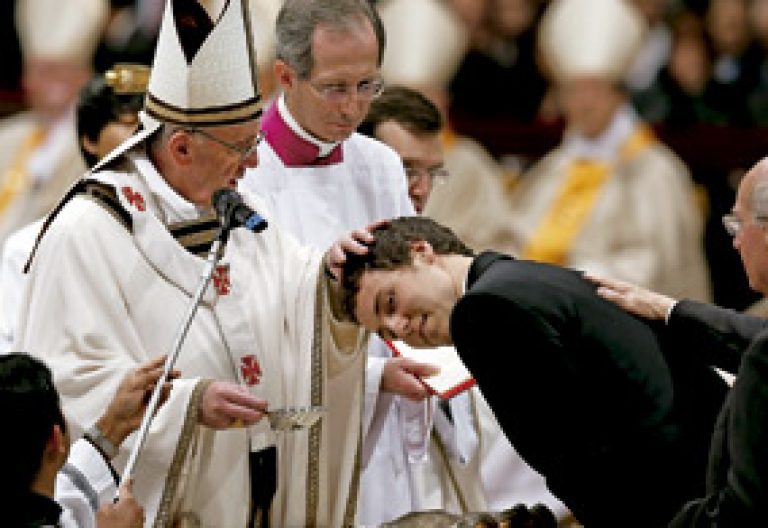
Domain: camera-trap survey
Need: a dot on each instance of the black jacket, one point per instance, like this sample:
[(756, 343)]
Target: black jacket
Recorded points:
[(586, 393), (737, 476)]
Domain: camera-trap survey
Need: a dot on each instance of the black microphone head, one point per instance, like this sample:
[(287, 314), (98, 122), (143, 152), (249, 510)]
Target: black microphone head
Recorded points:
[(224, 200)]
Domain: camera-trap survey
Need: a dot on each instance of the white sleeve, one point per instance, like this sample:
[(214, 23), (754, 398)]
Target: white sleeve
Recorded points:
[(83, 484)]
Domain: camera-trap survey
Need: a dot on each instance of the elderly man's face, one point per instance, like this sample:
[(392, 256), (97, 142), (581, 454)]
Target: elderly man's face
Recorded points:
[(412, 303), (422, 156), (751, 240), (332, 101), (213, 159)]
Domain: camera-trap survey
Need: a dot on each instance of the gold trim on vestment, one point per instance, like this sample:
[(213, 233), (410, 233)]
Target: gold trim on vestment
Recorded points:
[(196, 236), (213, 116), (316, 396), (354, 484), (164, 516)]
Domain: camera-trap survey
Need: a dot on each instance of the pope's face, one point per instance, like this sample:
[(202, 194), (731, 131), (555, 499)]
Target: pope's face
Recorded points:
[(412, 303), (328, 104), (214, 165)]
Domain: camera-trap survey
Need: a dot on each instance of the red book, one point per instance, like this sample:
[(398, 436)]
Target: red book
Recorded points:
[(453, 378)]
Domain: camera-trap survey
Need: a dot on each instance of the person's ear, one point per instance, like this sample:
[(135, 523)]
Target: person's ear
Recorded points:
[(285, 75), (89, 145), (179, 147), (57, 446)]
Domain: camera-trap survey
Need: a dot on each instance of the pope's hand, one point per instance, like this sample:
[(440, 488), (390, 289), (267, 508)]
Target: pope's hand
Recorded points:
[(354, 242), (125, 513), (402, 376), (226, 404), (633, 299)]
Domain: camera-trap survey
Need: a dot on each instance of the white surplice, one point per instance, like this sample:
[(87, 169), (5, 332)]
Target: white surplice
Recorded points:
[(83, 485), (102, 299), (365, 183)]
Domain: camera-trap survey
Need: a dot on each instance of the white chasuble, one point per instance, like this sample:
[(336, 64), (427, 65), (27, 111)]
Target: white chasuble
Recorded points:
[(103, 298)]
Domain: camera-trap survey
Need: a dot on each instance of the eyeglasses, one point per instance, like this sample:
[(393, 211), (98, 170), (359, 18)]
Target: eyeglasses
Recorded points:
[(733, 223), (437, 175), (336, 92), (244, 151)]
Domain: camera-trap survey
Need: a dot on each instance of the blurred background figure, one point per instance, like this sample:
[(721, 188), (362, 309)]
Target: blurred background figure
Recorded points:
[(39, 153), (610, 198), (426, 44), (499, 75), (107, 114)]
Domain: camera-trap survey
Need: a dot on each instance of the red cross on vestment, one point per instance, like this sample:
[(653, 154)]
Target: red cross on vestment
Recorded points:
[(221, 279), (250, 369), (134, 198)]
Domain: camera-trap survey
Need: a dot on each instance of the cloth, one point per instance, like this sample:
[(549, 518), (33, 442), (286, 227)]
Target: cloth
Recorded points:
[(83, 485), (15, 253), (472, 201), (50, 168), (643, 227), (737, 474), (354, 184), (32, 510), (102, 298), (587, 394)]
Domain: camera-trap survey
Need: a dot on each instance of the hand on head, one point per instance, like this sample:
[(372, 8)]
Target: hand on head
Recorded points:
[(353, 242), (226, 404), (634, 299), (403, 376)]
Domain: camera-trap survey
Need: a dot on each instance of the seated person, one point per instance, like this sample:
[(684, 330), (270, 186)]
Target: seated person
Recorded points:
[(43, 467), (585, 392)]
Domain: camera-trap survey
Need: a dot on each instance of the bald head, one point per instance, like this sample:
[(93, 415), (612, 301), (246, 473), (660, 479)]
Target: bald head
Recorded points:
[(756, 187)]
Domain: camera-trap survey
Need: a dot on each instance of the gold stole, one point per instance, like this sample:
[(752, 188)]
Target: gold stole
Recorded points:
[(553, 239), (16, 177)]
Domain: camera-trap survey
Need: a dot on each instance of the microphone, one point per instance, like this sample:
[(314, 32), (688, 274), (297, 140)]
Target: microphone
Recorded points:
[(229, 205)]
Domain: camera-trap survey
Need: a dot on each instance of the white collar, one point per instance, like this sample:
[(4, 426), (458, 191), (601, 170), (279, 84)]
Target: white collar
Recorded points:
[(173, 207), (324, 146), (607, 146)]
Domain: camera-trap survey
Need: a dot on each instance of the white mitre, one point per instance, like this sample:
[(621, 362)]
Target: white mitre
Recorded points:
[(426, 43), (590, 37), (68, 31), (204, 71), (263, 17)]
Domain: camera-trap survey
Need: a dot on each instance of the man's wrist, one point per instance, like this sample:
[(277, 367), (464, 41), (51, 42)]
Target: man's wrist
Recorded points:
[(108, 445)]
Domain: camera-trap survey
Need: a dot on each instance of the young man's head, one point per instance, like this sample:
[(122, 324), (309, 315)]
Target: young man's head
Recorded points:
[(410, 123), (405, 287), (106, 116), (35, 444), (328, 58)]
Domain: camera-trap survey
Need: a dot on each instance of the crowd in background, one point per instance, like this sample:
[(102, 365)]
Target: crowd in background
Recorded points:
[(703, 64), (699, 79)]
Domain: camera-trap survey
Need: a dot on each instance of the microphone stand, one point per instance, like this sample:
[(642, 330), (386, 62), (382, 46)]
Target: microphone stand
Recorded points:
[(214, 255)]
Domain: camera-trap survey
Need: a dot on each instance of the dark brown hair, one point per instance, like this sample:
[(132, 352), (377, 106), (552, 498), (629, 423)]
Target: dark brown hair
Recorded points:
[(408, 108), (391, 249)]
